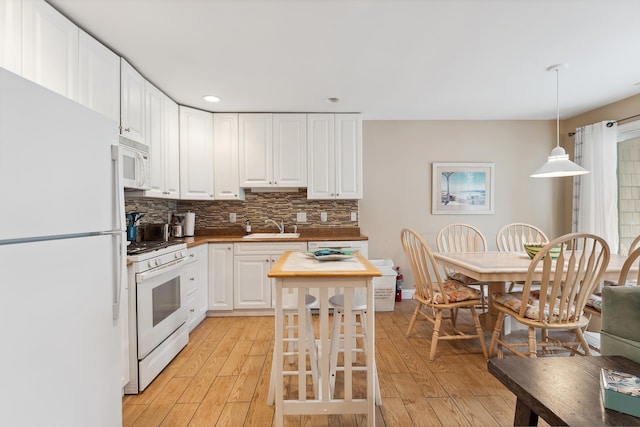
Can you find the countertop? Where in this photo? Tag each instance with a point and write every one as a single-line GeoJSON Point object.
{"type": "Point", "coordinates": [306, 235]}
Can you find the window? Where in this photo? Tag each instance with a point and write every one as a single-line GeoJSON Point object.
{"type": "Point", "coordinates": [628, 184]}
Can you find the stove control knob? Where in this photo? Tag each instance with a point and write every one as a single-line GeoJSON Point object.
{"type": "Point", "coordinates": [157, 261]}
{"type": "Point", "coordinates": [180, 254]}
{"type": "Point", "coordinates": [150, 263]}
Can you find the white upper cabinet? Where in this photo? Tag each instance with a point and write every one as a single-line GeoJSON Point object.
{"type": "Point", "coordinates": [290, 150]}
{"type": "Point", "coordinates": [11, 35]}
{"type": "Point", "coordinates": [171, 143]}
{"type": "Point", "coordinates": [196, 154]}
{"type": "Point", "coordinates": [273, 150]}
{"type": "Point", "coordinates": [154, 130]}
{"type": "Point", "coordinates": [99, 75]}
{"type": "Point", "coordinates": [335, 156]}
{"type": "Point", "coordinates": [225, 157]}
{"type": "Point", "coordinates": [348, 156]}
{"type": "Point", "coordinates": [49, 48]}
{"type": "Point", "coordinates": [132, 103]}
{"type": "Point", "coordinates": [256, 150]}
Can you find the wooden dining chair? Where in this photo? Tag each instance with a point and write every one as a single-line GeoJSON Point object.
{"type": "Point", "coordinates": [463, 238]}
{"type": "Point", "coordinates": [436, 297]}
{"type": "Point", "coordinates": [512, 237]}
{"type": "Point", "coordinates": [558, 305]}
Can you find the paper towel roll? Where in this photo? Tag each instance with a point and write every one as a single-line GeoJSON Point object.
{"type": "Point", "coordinates": [189, 223]}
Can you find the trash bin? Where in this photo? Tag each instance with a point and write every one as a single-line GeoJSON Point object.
{"type": "Point", "coordinates": [384, 287]}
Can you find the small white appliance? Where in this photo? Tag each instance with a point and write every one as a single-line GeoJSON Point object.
{"type": "Point", "coordinates": [62, 258]}
{"type": "Point", "coordinates": [158, 313]}
{"type": "Point", "coordinates": [135, 165]}
{"type": "Point", "coordinates": [189, 224]}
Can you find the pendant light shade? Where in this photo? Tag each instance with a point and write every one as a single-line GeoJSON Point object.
{"type": "Point", "coordinates": [558, 163]}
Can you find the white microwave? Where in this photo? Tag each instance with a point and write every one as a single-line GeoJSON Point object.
{"type": "Point", "coordinates": [135, 165]}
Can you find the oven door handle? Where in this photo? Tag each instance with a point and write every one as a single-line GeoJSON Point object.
{"type": "Point", "coordinates": [147, 275]}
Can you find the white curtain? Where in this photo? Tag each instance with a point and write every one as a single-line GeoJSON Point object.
{"type": "Point", "coordinates": [595, 195]}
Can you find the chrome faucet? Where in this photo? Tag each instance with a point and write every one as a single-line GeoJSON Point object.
{"type": "Point", "coordinates": [280, 226]}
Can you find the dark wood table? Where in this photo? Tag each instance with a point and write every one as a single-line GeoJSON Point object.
{"type": "Point", "coordinates": [562, 390]}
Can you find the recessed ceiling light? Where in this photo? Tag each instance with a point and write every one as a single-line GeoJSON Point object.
{"type": "Point", "coordinates": [211, 98]}
{"type": "Point", "coordinates": [332, 100]}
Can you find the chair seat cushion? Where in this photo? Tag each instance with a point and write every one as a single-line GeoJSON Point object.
{"type": "Point", "coordinates": [465, 280]}
{"type": "Point", "coordinates": [513, 301]}
{"type": "Point", "coordinates": [456, 292]}
{"type": "Point", "coordinates": [595, 302]}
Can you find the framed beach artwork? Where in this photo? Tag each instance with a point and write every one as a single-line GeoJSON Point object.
{"type": "Point", "coordinates": [462, 188]}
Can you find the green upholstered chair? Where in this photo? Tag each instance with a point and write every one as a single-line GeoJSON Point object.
{"type": "Point", "coordinates": [620, 333]}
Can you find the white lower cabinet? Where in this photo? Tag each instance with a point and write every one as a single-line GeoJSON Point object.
{"type": "Point", "coordinates": [220, 276]}
{"type": "Point", "coordinates": [252, 262]}
{"type": "Point", "coordinates": [197, 286]}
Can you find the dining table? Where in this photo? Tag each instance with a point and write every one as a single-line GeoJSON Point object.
{"type": "Point", "coordinates": [300, 272]}
{"type": "Point", "coordinates": [499, 268]}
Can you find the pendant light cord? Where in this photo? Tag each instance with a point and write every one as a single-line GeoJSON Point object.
{"type": "Point", "coordinates": [557, 107]}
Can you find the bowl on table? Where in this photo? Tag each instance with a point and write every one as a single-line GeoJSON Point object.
{"type": "Point", "coordinates": [532, 250]}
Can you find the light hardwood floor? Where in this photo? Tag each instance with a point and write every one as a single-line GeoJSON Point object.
{"type": "Point", "coordinates": [222, 378]}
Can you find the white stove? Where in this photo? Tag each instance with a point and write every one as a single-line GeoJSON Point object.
{"type": "Point", "coordinates": [157, 308]}
{"type": "Point", "coordinates": [141, 251]}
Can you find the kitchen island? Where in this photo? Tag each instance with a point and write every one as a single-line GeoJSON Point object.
{"type": "Point", "coordinates": [298, 272]}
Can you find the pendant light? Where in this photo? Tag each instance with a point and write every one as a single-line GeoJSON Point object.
{"type": "Point", "coordinates": [558, 163]}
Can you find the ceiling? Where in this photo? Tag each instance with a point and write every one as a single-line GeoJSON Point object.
{"type": "Point", "coordinates": [389, 59]}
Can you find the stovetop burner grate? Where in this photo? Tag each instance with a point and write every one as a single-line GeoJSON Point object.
{"type": "Point", "coordinates": [136, 248]}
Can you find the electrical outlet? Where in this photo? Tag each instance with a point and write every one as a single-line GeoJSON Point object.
{"type": "Point", "coordinates": [232, 217]}
{"type": "Point", "coordinates": [323, 216]}
{"type": "Point", "coordinates": [354, 216]}
{"type": "Point", "coordinates": [301, 217]}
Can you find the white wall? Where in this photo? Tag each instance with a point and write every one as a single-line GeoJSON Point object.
{"type": "Point", "coordinates": [397, 179]}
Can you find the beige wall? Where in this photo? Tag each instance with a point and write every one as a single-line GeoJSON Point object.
{"type": "Point", "coordinates": [397, 178]}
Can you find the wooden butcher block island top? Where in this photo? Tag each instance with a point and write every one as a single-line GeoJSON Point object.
{"type": "Point", "coordinates": [297, 264]}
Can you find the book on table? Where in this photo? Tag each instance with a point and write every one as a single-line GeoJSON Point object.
{"type": "Point", "coordinates": [620, 391]}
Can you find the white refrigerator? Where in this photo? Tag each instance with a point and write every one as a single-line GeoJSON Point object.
{"type": "Point", "coordinates": [62, 260]}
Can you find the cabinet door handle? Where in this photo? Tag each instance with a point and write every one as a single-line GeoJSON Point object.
{"type": "Point", "coordinates": [127, 129]}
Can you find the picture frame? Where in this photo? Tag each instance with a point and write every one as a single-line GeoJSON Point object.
{"type": "Point", "coordinates": [462, 188]}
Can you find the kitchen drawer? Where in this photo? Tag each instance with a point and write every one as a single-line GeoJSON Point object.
{"type": "Point", "coordinates": [256, 248]}
{"type": "Point", "coordinates": [197, 253]}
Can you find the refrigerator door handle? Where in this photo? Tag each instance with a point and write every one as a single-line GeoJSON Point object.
{"type": "Point", "coordinates": [117, 284]}
{"type": "Point", "coordinates": [118, 189]}
{"type": "Point", "coordinates": [120, 245]}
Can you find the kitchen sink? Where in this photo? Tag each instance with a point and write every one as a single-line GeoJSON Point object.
{"type": "Point", "coordinates": [272, 236]}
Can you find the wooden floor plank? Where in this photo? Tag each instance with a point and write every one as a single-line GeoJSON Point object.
{"type": "Point", "coordinates": [180, 415]}
{"type": "Point", "coordinates": [244, 387]}
{"type": "Point", "coordinates": [260, 414]}
{"type": "Point", "coordinates": [447, 412]}
{"type": "Point", "coordinates": [211, 407]}
{"type": "Point", "coordinates": [422, 414]}
{"type": "Point", "coordinates": [395, 413]}
{"type": "Point", "coordinates": [202, 381]}
{"type": "Point", "coordinates": [233, 414]}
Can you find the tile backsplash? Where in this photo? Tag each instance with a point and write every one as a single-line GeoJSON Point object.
{"type": "Point", "coordinates": [256, 207]}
